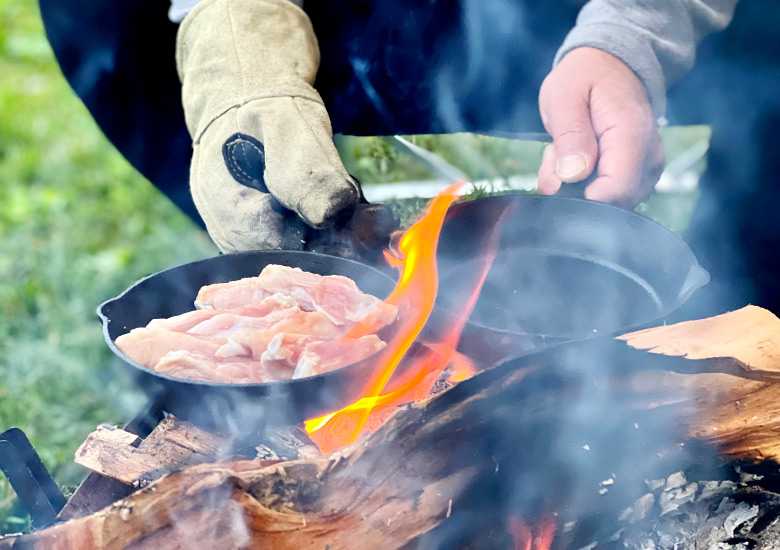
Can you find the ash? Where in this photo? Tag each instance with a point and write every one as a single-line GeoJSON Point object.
{"type": "Point", "coordinates": [676, 513]}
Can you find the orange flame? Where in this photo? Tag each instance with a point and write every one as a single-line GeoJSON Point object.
{"type": "Point", "coordinates": [414, 294]}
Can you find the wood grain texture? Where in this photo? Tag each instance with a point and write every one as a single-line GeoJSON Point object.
{"type": "Point", "coordinates": [172, 445]}
{"type": "Point", "coordinates": [390, 488]}
{"type": "Point", "coordinates": [750, 335]}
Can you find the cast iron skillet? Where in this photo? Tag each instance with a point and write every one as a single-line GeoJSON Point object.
{"type": "Point", "coordinates": [239, 407]}
{"type": "Point", "coordinates": [566, 269]}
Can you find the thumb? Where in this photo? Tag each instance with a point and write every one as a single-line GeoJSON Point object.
{"type": "Point", "coordinates": [303, 170]}
{"type": "Point", "coordinates": [566, 117]}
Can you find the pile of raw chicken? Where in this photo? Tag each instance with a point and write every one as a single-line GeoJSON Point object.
{"type": "Point", "coordinates": [286, 323]}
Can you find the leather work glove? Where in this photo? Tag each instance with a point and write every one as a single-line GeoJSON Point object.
{"type": "Point", "coordinates": [263, 143]}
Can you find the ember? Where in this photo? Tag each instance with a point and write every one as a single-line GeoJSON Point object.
{"type": "Point", "coordinates": [540, 537]}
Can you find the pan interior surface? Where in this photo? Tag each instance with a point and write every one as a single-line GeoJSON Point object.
{"type": "Point", "coordinates": [554, 294]}
{"type": "Point", "coordinates": [564, 268]}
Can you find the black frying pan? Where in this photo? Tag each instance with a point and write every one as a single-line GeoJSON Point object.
{"type": "Point", "coordinates": [566, 269]}
{"type": "Point", "coordinates": [240, 407]}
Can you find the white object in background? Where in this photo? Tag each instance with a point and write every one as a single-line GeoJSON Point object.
{"type": "Point", "coordinates": [679, 176]}
{"type": "Point", "coordinates": [381, 192]}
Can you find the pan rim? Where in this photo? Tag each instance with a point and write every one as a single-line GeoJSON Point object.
{"type": "Point", "coordinates": [106, 321]}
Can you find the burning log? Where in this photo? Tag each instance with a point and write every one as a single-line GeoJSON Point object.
{"type": "Point", "coordinates": [556, 433]}
{"type": "Point", "coordinates": [364, 495]}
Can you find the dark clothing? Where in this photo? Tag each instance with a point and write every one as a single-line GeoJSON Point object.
{"type": "Point", "coordinates": [735, 231]}
{"type": "Point", "coordinates": [436, 66]}
{"type": "Point", "coordinates": [406, 66]}
{"type": "Point", "coordinates": [118, 57]}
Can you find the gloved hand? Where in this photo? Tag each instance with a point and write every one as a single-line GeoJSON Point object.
{"type": "Point", "coordinates": [260, 131]}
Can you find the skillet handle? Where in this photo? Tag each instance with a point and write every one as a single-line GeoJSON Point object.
{"type": "Point", "coordinates": [576, 190]}
{"type": "Point", "coordinates": [573, 190]}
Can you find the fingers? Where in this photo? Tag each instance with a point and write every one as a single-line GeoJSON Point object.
{"type": "Point", "coordinates": [630, 162]}
{"type": "Point", "coordinates": [599, 115]}
{"type": "Point", "coordinates": [565, 113]}
{"type": "Point", "coordinates": [548, 182]}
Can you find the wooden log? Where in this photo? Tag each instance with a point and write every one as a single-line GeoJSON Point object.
{"type": "Point", "coordinates": [382, 492]}
{"type": "Point", "coordinates": [390, 489]}
{"type": "Point", "coordinates": [737, 407]}
{"type": "Point", "coordinates": [359, 497]}
{"type": "Point", "coordinates": [750, 335]}
{"type": "Point", "coordinates": [172, 445]}
{"type": "Point", "coordinates": [175, 444]}
{"type": "Point", "coordinates": [96, 491]}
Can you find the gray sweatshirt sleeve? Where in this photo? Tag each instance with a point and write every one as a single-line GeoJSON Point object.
{"type": "Point", "coordinates": [657, 39]}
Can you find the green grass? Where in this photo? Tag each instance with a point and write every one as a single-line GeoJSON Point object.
{"type": "Point", "coordinates": [78, 225]}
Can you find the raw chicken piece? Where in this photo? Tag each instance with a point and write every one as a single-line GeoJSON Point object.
{"type": "Point", "coordinates": [233, 369]}
{"type": "Point", "coordinates": [334, 296]}
{"type": "Point", "coordinates": [185, 321]}
{"type": "Point", "coordinates": [281, 357]}
{"type": "Point", "coordinates": [194, 366]}
{"type": "Point", "coordinates": [254, 343]}
{"type": "Point", "coordinates": [147, 346]}
{"type": "Point", "coordinates": [274, 302]}
{"type": "Point", "coordinates": [259, 316]}
{"type": "Point", "coordinates": [228, 323]}
{"type": "Point", "coordinates": [328, 355]}
{"type": "Point", "coordinates": [192, 319]}
{"type": "Point", "coordinates": [282, 324]}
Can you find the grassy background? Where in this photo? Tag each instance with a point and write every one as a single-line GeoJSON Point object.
{"type": "Point", "coordinates": [78, 225]}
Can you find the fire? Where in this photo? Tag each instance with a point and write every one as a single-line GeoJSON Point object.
{"type": "Point", "coordinates": [540, 537]}
{"type": "Point", "coordinates": [414, 295]}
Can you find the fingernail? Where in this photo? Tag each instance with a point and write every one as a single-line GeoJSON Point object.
{"type": "Point", "coordinates": [572, 166]}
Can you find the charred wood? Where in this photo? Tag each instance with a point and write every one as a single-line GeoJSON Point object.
{"type": "Point", "coordinates": [573, 429]}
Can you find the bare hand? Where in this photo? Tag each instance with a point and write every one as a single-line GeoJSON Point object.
{"type": "Point", "coordinates": [598, 114]}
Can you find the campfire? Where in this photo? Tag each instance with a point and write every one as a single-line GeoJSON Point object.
{"type": "Point", "coordinates": [462, 436]}
{"type": "Point", "coordinates": [415, 294]}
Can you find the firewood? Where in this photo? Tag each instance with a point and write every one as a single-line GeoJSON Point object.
{"type": "Point", "coordinates": [382, 492]}
{"type": "Point", "coordinates": [391, 488]}
{"type": "Point", "coordinates": [750, 335]}
{"type": "Point", "coordinates": [173, 444]}
{"type": "Point", "coordinates": [121, 461]}
{"type": "Point", "coordinates": [736, 405]}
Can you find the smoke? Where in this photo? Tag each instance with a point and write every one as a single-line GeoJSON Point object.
{"type": "Point", "coordinates": [569, 441]}
{"type": "Point", "coordinates": [565, 443]}
{"type": "Point", "coordinates": [482, 64]}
